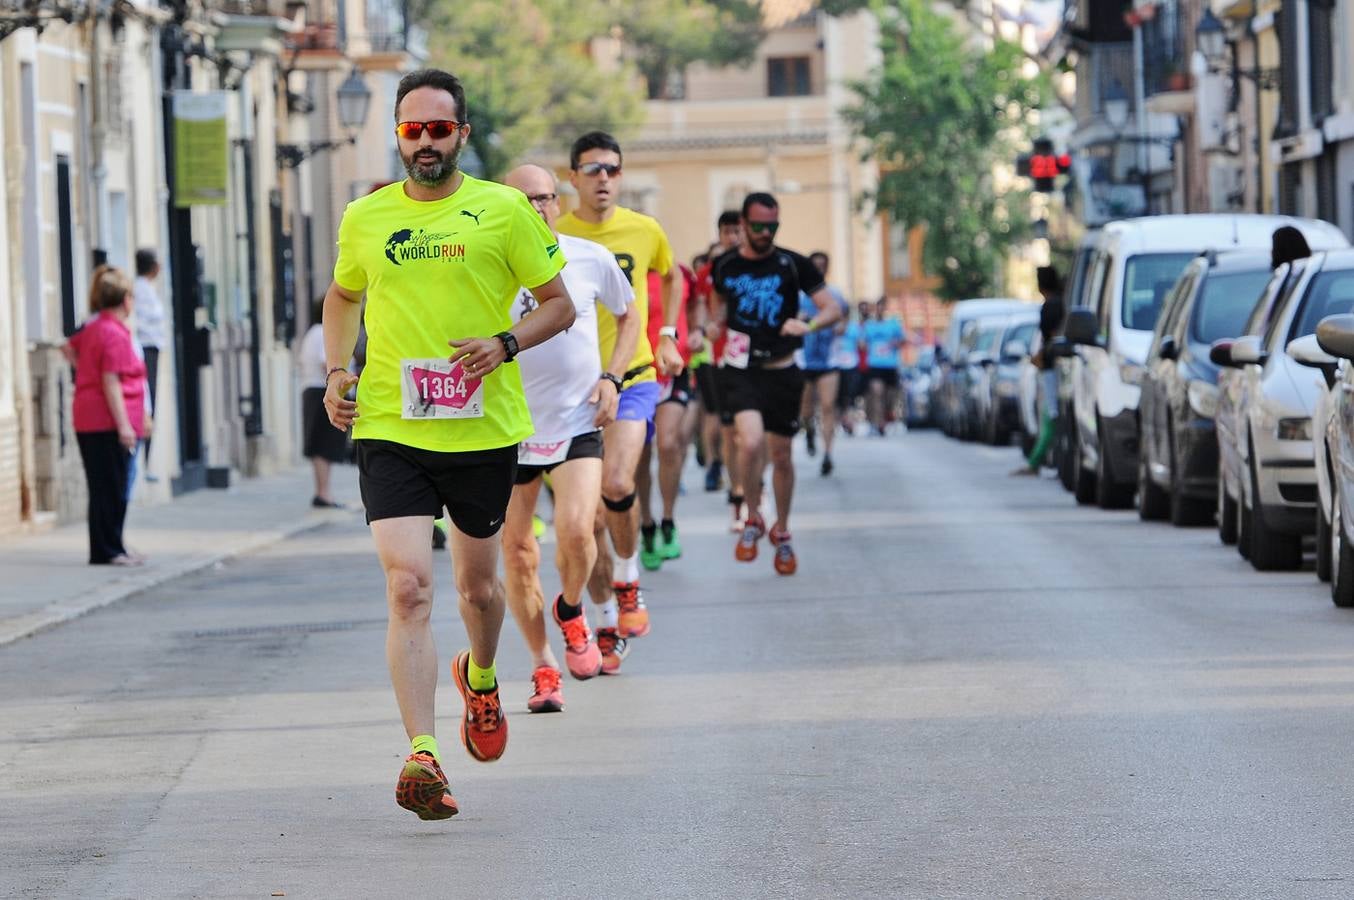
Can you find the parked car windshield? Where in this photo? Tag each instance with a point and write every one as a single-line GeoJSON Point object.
{"type": "Point", "coordinates": [1022, 335]}
{"type": "Point", "coordinates": [1148, 278]}
{"type": "Point", "coordinates": [1330, 294]}
{"type": "Point", "coordinates": [1225, 304]}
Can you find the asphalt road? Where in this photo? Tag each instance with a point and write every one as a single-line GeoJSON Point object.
{"type": "Point", "coordinates": [973, 688]}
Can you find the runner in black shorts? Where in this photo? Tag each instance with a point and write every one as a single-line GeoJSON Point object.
{"type": "Point", "coordinates": [440, 408]}
{"type": "Point", "coordinates": [760, 284]}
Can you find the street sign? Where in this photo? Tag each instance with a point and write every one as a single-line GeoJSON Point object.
{"type": "Point", "coordinates": [201, 149]}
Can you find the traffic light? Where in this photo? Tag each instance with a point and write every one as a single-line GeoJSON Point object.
{"type": "Point", "coordinates": [1043, 165]}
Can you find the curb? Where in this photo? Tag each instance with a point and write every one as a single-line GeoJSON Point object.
{"type": "Point", "coordinates": [59, 612]}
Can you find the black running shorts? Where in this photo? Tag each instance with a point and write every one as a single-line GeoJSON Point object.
{"type": "Point", "coordinates": [397, 480]}
{"type": "Point", "coordinates": [775, 393]}
{"type": "Point", "coordinates": [707, 383]}
{"type": "Point", "coordinates": [584, 446]}
{"type": "Point", "coordinates": [676, 389]}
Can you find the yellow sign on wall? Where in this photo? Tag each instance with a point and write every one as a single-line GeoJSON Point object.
{"type": "Point", "coordinates": [201, 149]}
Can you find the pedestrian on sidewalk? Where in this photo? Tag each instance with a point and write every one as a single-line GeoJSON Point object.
{"type": "Point", "coordinates": [440, 407]}
{"type": "Point", "coordinates": [1051, 317]}
{"type": "Point", "coordinates": [150, 329]}
{"type": "Point", "coordinates": [109, 412]}
{"type": "Point", "coordinates": [322, 444]}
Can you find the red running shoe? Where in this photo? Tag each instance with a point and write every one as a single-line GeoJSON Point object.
{"type": "Point", "coordinates": [613, 648]}
{"type": "Point", "coordinates": [484, 726]}
{"type": "Point", "coordinates": [785, 562]}
{"type": "Point", "coordinates": [423, 789]}
{"type": "Point", "coordinates": [581, 655]}
{"type": "Point", "coordinates": [547, 696]}
{"type": "Point", "coordinates": [753, 529]}
{"type": "Point", "coordinates": [634, 618]}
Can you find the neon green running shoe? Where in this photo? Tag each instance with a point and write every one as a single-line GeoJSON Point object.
{"type": "Point", "coordinates": [669, 544]}
{"type": "Point", "coordinates": [650, 556]}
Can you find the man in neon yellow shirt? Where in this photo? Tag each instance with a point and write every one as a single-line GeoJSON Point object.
{"type": "Point", "coordinates": [639, 245]}
{"type": "Point", "coordinates": [440, 408]}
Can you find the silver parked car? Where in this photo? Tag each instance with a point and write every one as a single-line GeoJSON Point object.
{"type": "Point", "coordinates": [1335, 336]}
{"type": "Point", "coordinates": [1273, 416]}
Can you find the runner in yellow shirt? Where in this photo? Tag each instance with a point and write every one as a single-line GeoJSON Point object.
{"type": "Point", "coordinates": [639, 245]}
{"type": "Point", "coordinates": [440, 408]}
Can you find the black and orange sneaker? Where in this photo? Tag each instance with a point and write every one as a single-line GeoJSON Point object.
{"type": "Point", "coordinates": [753, 529]}
{"type": "Point", "coordinates": [634, 617]}
{"type": "Point", "coordinates": [785, 561]}
{"type": "Point", "coordinates": [423, 789]}
{"type": "Point", "coordinates": [546, 695]}
{"type": "Point", "coordinates": [614, 648]}
{"type": "Point", "coordinates": [484, 726]}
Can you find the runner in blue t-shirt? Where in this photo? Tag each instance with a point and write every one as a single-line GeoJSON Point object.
{"type": "Point", "coordinates": [884, 337]}
{"type": "Point", "coordinates": [821, 374]}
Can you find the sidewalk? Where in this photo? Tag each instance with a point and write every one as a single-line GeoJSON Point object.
{"type": "Point", "coordinates": [45, 580]}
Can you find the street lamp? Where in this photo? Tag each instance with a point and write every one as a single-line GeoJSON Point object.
{"type": "Point", "coordinates": [1211, 37]}
{"type": "Point", "coordinates": [354, 98]}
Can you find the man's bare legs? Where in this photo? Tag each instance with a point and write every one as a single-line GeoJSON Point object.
{"type": "Point", "coordinates": [782, 478]}
{"type": "Point", "coordinates": [623, 442]}
{"type": "Point", "coordinates": [826, 390]}
{"type": "Point", "coordinates": [406, 558]}
{"type": "Point", "coordinates": [751, 444]}
{"type": "Point", "coordinates": [673, 437]}
{"type": "Point", "coordinates": [576, 484]}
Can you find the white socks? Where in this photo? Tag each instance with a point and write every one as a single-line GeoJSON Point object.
{"type": "Point", "coordinates": [610, 614]}
{"type": "Point", "coordinates": [625, 570]}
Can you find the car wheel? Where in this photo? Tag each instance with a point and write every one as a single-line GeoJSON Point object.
{"type": "Point", "coordinates": [1243, 527]}
{"type": "Point", "coordinates": [1108, 494]}
{"type": "Point", "coordinates": [1083, 479]}
{"type": "Point", "coordinates": [1325, 546]}
{"type": "Point", "coordinates": [1066, 449]}
{"type": "Point", "coordinates": [1152, 500]}
{"type": "Point", "coordinates": [1342, 558]}
{"type": "Point", "coordinates": [1227, 516]}
{"type": "Point", "coordinates": [1271, 550]}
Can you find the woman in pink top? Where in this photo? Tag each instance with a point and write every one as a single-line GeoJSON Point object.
{"type": "Point", "coordinates": [109, 412]}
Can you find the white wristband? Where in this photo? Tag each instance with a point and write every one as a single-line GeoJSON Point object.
{"type": "Point", "coordinates": [668, 331]}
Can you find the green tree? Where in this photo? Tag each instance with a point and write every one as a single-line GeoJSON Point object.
{"type": "Point", "coordinates": [528, 77]}
{"type": "Point", "coordinates": [666, 36]}
{"type": "Point", "coordinates": [940, 116]}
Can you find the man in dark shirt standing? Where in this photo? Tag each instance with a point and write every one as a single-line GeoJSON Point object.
{"type": "Point", "coordinates": [759, 286]}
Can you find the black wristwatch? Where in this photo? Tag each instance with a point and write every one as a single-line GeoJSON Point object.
{"type": "Point", "coordinates": [509, 345]}
{"type": "Point", "coordinates": [607, 376]}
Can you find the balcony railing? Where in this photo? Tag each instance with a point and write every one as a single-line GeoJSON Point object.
{"type": "Point", "coordinates": [1165, 62]}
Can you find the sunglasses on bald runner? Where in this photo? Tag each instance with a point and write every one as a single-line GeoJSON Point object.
{"type": "Point", "coordinates": [439, 129]}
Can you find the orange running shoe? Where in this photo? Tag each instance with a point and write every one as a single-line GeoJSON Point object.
{"type": "Point", "coordinates": [746, 548]}
{"type": "Point", "coordinates": [634, 618]}
{"type": "Point", "coordinates": [613, 648]}
{"type": "Point", "coordinates": [484, 727]}
{"type": "Point", "coordinates": [423, 789]}
{"type": "Point", "coordinates": [546, 695]}
{"type": "Point", "coordinates": [785, 562]}
{"type": "Point", "coordinates": [581, 655]}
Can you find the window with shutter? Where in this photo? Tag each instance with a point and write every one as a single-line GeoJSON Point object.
{"type": "Point", "coordinates": [1287, 124]}
{"type": "Point", "coordinates": [1325, 186]}
{"type": "Point", "coordinates": [1322, 68]}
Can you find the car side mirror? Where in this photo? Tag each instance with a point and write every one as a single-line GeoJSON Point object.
{"type": "Point", "coordinates": [1307, 351]}
{"type": "Point", "coordinates": [1247, 351]}
{"type": "Point", "coordinates": [1168, 349]}
{"type": "Point", "coordinates": [1220, 353]}
{"type": "Point", "coordinates": [1335, 335]}
{"type": "Point", "coordinates": [1082, 328]}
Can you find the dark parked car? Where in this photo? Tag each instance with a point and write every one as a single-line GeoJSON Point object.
{"type": "Point", "coordinates": [1001, 414]}
{"type": "Point", "coordinates": [1178, 449]}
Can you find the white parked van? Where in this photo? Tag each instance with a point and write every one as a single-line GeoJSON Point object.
{"type": "Point", "coordinates": [1136, 263]}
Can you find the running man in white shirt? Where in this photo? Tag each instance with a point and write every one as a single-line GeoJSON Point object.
{"type": "Point", "coordinates": [570, 402]}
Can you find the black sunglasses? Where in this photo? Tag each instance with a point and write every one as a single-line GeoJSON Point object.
{"type": "Point", "coordinates": [763, 227]}
{"type": "Point", "coordinates": [596, 168]}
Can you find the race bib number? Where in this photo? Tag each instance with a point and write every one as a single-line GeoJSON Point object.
{"type": "Point", "coordinates": [542, 453]}
{"type": "Point", "coordinates": [737, 349]}
{"type": "Point", "coordinates": [437, 389]}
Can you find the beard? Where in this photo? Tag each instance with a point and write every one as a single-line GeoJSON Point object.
{"type": "Point", "coordinates": [431, 172]}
